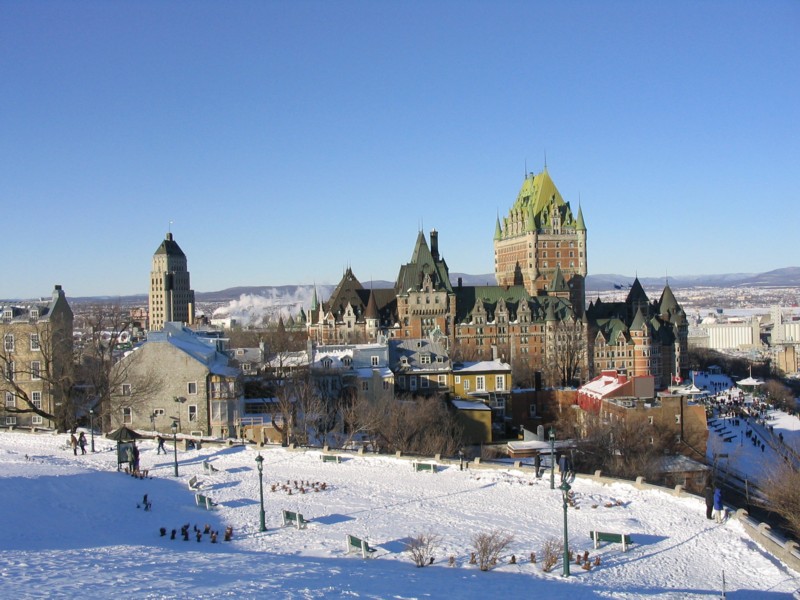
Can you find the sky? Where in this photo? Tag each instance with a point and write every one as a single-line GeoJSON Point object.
{"type": "Point", "coordinates": [281, 142]}
{"type": "Point", "coordinates": [94, 536]}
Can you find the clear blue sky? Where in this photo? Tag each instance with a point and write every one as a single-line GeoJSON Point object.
{"type": "Point", "coordinates": [287, 140]}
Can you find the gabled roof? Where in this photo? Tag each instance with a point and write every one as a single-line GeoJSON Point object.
{"type": "Point", "coordinates": [423, 263]}
{"type": "Point", "coordinates": [636, 295]}
{"type": "Point", "coordinates": [202, 350]}
{"type": "Point", "coordinates": [559, 284]}
{"type": "Point", "coordinates": [407, 354]}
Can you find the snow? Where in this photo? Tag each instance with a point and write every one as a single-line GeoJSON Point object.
{"type": "Point", "coordinates": [76, 530]}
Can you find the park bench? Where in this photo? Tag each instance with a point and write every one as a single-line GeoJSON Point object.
{"type": "Point", "coordinates": [293, 518]}
{"type": "Point", "coordinates": [359, 544]}
{"type": "Point", "coordinates": [208, 467]}
{"type": "Point", "coordinates": [729, 438]}
{"type": "Point", "coordinates": [614, 538]}
{"type": "Point", "coordinates": [204, 501]}
{"type": "Point", "coordinates": [419, 466]}
{"type": "Point", "coordinates": [193, 484]}
{"type": "Point", "coordinates": [331, 458]}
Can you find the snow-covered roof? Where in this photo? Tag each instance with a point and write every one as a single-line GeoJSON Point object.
{"type": "Point", "coordinates": [603, 386]}
{"type": "Point", "coordinates": [468, 404]}
{"type": "Point", "coordinates": [367, 372]}
{"type": "Point", "coordinates": [202, 350]}
{"type": "Point", "coordinates": [482, 366]}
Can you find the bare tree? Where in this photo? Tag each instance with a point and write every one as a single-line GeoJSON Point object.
{"type": "Point", "coordinates": [422, 548]}
{"type": "Point", "coordinates": [780, 395]}
{"type": "Point", "coordinates": [783, 490]}
{"type": "Point", "coordinates": [566, 355]}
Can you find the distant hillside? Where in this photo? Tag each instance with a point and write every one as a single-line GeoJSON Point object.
{"type": "Point", "coordinates": [786, 277]}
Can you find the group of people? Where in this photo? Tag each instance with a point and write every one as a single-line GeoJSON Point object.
{"type": "Point", "coordinates": [77, 442]}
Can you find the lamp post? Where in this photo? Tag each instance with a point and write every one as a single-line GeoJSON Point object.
{"type": "Point", "coordinates": [91, 426]}
{"type": "Point", "coordinates": [564, 487]}
{"type": "Point", "coordinates": [552, 458]}
{"type": "Point", "coordinates": [260, 465]}
{"type": "Point", "coordinates": [175, 445]}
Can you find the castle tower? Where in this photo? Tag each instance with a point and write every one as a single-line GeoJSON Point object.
{"type": "Point", "coordinates": [171, 296]}
{"type": "Point", "coordinates": [540, 236]}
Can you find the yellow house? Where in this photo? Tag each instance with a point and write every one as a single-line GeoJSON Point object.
{"type": "Point", "coordinates": [476, 419]}
{"type": "Point", "coordinates": [488, 381]}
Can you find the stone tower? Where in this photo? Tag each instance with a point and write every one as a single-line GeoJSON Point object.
{"type": "Point", "coordinates": [171, 296]}
{"type": "Point", "coordinates": [539, 237]}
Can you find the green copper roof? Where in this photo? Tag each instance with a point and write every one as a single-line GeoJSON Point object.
{"type": "Point", "coordinates": [498, 231]}
{"type": "Point", "coordinates": [580, 225]}
{"type": "Point", "coordinates": [169, 247]}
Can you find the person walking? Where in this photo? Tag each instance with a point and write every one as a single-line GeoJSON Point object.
{"type": "Point", "coordinates": [82, 442]}
{"type": "Point", "coordinates": [719, 509]}
{"type": "Point", "coordinates": [708, 492]}
{"type": "Point", "coordinates": [73, 443]}
{"type": "Point", "coordinates": [160, 448]}
{"type": "Point", "coordinates": [135, 458]}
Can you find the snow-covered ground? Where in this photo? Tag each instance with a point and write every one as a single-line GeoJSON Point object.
{"type": "Point", "coordinates": [71, 528]}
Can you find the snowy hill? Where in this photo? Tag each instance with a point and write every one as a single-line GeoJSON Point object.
{"type": "Point", "coordinates": [76, 530]}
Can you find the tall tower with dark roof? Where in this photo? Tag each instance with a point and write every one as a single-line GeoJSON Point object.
{"type": "Point", "coordinates": [171, 296]}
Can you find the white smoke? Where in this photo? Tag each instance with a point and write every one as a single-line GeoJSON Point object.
{"type": "Point", "coordinates": [272, 304]}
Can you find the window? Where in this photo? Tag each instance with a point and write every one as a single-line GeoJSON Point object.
{"type": "Point", "coordinates": [191, 387]}
{"type": "Point", "coordinates": [365, 386]}
{"type": "Point", "coordinates": [35, 342]}
{"type": "Point", "coordinates": [423, 382]}
{"type": "Point", "coordinates": [10, 370]}
{"type": "Point", "coordinates": [192, 413]}
{"type": "Point", "coordinates": [374, 361]}
{"type": "Point", "coordinates": [11, 401]}
{"type": "Point", "coordinates": [677, 419]}
{"type": "Point", "coordinates": [385, 384]}
{"type": "Point", "coordinates": [500, 382]}
{"type": "Point", "coordinates": [127, 416]}
{"type": "Point", "coordinates": [126, 390]}
{"type": "Point", "coordinates": [8, 342]}
{"type": "Point", "coordinates": [36, 399]}
{"type": "Point", "coordinates": [11, 420]}
{"type": "Point", "coordinates": [159, 412]}
{"type": "Point", "coordinates": [425, 359]}
{"type": "Point", "coordinates": [457, 379]}
{"type": "Point", "coordinates": [466, 385]}
{"type": "Point", "coordinates": [246, 367]}
{"type": "Point", "coordinates": [36, 368]}
{"type": "Point", "coordinates": [442, 381]}
{"type": "Point", "coordinates": [650, 420]}
{"type": "Point", "coordinates": [412, 382]}
{"type": "Point", "coordinates": [480, 383]}
{"type": "Point", "coordinates": [532, 411]}
{"type": "Point", "coordinates": [36, 420]}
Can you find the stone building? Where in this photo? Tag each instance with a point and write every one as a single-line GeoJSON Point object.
{"type": "Point", "coordinates": [171, 297]}
{"type": "Point", "coordinates": [36, 360]}
{"type": "Point", "coordinates": [177, 375]}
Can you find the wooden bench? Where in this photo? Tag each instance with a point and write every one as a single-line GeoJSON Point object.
{"type": "Point", "coordinates": [193, 484]}
{"type": "Point", "coordinates": [204, 501]}
{"type": "Point", "coordinates": [420, 466]}
{"type": "Point", "coordinates": [208, 467]}
{"type": "Point", "coordinates": [359, 544]}
{"type": "Point", "coordinates": [331, 458]}
{"type": "Point", "coordinates": [293, 518]}
{"type": "Point", "coordinates": [614, 538]}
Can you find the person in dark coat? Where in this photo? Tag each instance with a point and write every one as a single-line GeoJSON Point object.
{"type": "Point", "coordinates": [160, 448]}
{"type": "Point", "coordinates": [82, 442]}
{"type": "Point", "coordinates": [708, 492]}
{"type": "Point", "coordinates": [719, 509]}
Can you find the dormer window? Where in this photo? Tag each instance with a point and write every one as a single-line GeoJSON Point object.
{"type": "Point", "coordinates": [425, 359]}
{"type": "Point", "coordinates": [34, 314]}
{"type": "Point", "coordinates": [326, 363]}
{"type": "Point", "coordinates": [8, 314]}
{"type": "Point", "coordinates": [347, 361]}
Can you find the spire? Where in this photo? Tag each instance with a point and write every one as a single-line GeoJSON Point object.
{"type": "Point", "coordinates": [559, 284]}
{"type": "Point", "coordinates": [314, 301]}
{"type": "Point", "coordinates": [580, 225]}
{"type": "Point", "coordinates": [498, 231]}
{"type": "Point", "coordinates": [372, 307]}
{"type": "Point", "coordinates": [638, 320]}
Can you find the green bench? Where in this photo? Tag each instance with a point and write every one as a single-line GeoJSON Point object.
{"type": "Point", "coordinates": [209, 468]}
{"type": "Point", "coordinates": [355, 543]}
{"type": "Point", "coordinates": [331, 458]}
{"type": "Point", "coordinates": [293, 518]}
{"type": "Point", "coordinates": [613, 538]}
{"type": "Point", "coordinates": [420, 466]}
{"type": "Point", "coordinates": [193, 483]}
{"type": "Point", "coordinates": [204, 501]}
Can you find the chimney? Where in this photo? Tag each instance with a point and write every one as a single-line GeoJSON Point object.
{"type": "Point", "coordinates": [435, 244]}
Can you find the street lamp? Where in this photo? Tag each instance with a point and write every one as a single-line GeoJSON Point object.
{"type": "Point", "coordinates": [91, 426]}
{"type": "Point", "coordinates": [174, 429]}
{"type": "Point", "coordinates": [552, 458]}
{"type": "Point", "coordinates": [260, 465]}
{"type": "Point", "coordinates": [564, 487]}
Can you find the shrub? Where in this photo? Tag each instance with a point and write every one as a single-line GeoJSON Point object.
{"type": "Point", "coordinates": [488, 547]}
{"type": "Point", "coordinates": [422, 547]}
{"type": "Point", "coordinates": [552, 549]}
